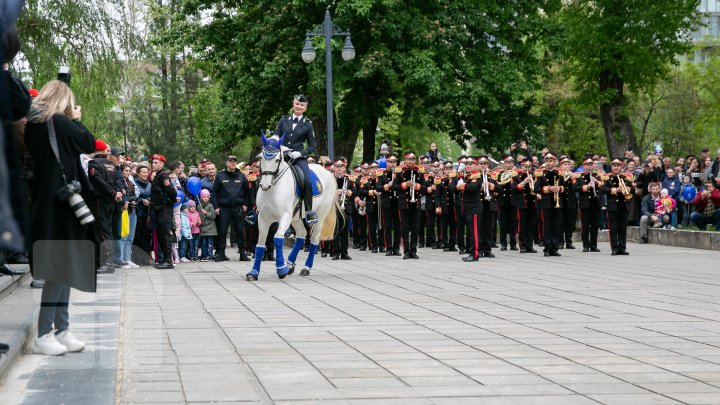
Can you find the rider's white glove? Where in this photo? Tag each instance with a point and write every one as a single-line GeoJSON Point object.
{"type": "Point", "coordinates": [295, 155]}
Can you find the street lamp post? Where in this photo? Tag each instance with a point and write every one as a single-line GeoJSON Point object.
{"type": "Point", "coordinates": [328, 30]}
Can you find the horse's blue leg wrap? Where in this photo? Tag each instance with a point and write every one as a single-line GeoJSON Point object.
{"type": "Point", "coordinates": [311, 256]}
{"type": "Point", "coordinates": [259, 253]}
{"type": "Point", "coordinates": [299, 243]}
{"type": "Point", "coordinates": [282, 268]}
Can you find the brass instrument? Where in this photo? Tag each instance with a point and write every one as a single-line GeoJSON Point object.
{"type": "Point", "coordinates": [344, 192]}
{"type": "Point", "coordinates": [592, 184]}
{"type": "Point", "coordinates": [557, 192]}
{"type": "Point", "coordinates": [532, 183]}
{"type": "Point", "coordinates": [506, 177]}
{"type": "Point", "coordinates": [412, 190]}
{"type": "Point", "coordinates": [623, 187]}
{"type": "Point", "coordinates": [362, 209]}
{"type": "Point", "coordinates": [486, 186]}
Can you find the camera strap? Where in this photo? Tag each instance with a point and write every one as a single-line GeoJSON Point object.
{"type": "Point", "coordinates": [54, 147]}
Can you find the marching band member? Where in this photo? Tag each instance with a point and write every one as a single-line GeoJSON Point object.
{"type": "Point", "coordinates": [569, 203]}
{"type": "Point", "coordinates": [409, 184]}
{"type": "Point", "coordinates": [367, 208]}
{"type": "Point", "coordinates": [433, 237]}
{"type": "Point", "coordinates": [618, 189]}
{"type": "Point", "coordinates": [347, 197]}
{"type": "Point", "coordinates": [390, 213]}
{"type": "Point", "coordinates": [424, 237]}
{"type": "Point", "coordinates": [458, 197]}
{"type": "Point", "coordinates": [523, 187]}
{"type": "Point", "coordinates": [472, 208]}
{"type": "Point", "coordinates": [589, 187]}
{"type": "Point", "coordinates": [506, 205]}
{"type": "Point", "coordinates": [442, 202]}
{"type": "Point", "coordinates": [489, 208]}
{"type": "Point", "coordinates": [356, 225]}
{"type": "Point", "coordinates": [549, 185]}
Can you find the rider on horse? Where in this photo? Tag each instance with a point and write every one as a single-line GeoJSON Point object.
{"type": "Point", "coordinates": [297, 130]}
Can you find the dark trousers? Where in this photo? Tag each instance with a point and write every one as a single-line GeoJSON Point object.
{"type": "Point", "coordinates": [540, 228]}
{"type": "Point", "coordinates": [230, 215]}
{"type": "Point", "coordinates": [487, 221]}
{"type": "Point", "coordinates": [103, 213]}
{"type": "Point", "coordinates": [508, 225]}
{"type": "Point", "coordinates": [371, 229]}
{"type": "Point", "coordinates": [340, 243]}
{"type": "Point", "coordinates": [552, 221]}
{"type": "Point", "coordinates": [142, 239]}
{"type": "Point", "coordinates": [452, 226]}
{"type": "Point", "coordinates": [165, 237]}
{"type": "Point", "coordinates": [409, 220]}
{"type": "Point", "coordinates": [360, 231]}
{"type": "Point", "coordinates": [617, 224]}
{"type": "Point", "coordinates": [391, 227]}
{"type": "Point", "coordinates": [422, 226]}
{"type": "Point", "coordinates": [590, 222]}
{"type": "Point", "coordinates": [443, 226]}
{"type": "Point", "coordinates": [431, 221]}
{"type": "Point", "coordinates": [569, 217]}
{"type": "Point", "coordinates": [53, 308]}
{"type": "Point", "coordinates": [474, 224]}
{"type": "Point", "coordinates": [527, 221]}
{"type": "Point", "coordinates": [460, 227]}
{"type": "Point", "coordinates": [356, 226]}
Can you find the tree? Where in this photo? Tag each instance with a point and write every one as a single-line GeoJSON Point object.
{"type": "Point", "coordinates": [616, 45]}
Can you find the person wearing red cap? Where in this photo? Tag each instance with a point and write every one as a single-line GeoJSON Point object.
{"type": "Point", "coordinates": [569, 203]}
{"type": "Point", "coordinates": [409, 184]}
{"type": "Point", "coordinates": [106, 194]}
{"type": "Point", "coordinates": [523, 187]}
{"type": "Point", "coordinates": [347, 199]}
{"type": "Point", "coordinates": [507, 214]}
{"type": "Point", "coordinates": [618, 189]}
{"type": "Point", "coordinates": [162, 199]}
{"type": "Point", "coordinates": [549, 186]}
{"type": "Point", "coordinates": [390, 223]}
{"type": "Point", "coordinates": [588, 186]}
{"type": "Point", "coordinates": [472, 209]}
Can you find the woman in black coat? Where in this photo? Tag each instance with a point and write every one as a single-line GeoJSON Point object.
{"type": "Point", "coordinates": [62, 249]}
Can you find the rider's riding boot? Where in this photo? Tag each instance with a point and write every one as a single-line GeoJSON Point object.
{"type": "Point", "coordinates": [310, 217]}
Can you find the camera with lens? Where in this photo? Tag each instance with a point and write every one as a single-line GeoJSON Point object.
{"type": "Point", "coordinates": [70, 192]}
{"type": "Point", "coordinates": [64, 74]}
{"type": "Point", "coordinates": [132, 201]}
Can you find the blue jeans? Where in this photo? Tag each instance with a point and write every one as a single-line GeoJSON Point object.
{"type": "Point", "coordinates": [54, 308]}
{"type": "Point", "coordinates": [701, 221]}
{"type": "Point", "coordinates": [126, 243]}
{"type": "Point", "coordinates": [184, 248]}
{"type": "Point", "coordinates": [673, 219]}
{"type": "Point", "coordinates": [194, 246]}
{"type": "Point", "coordinates": [206, 243]}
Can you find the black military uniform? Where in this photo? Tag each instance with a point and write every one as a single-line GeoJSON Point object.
{"type": "Point", "coordinates": [431, 234]}
{"type": "Point", "coordinates": [525, 199]}
{"type": "Point", "coordinates": [569, 208]}
{"type": "Point", "coordinates": [340, 243]}
{"type": "Point", "coordinates": [231, 191]}
{"type": "Point", "coordinates": [390, 213]}
{"type": "Point", "coordinates": [297, 131]}
{"type": "Point", "coordinates": [458, 214]}
{"type": "Point", "coordinates": [472, 210]}
{"type": "Point", "coordinates": [442, 210]}
{"type": "Point", "coordinates": [489, 211]}
{"type": "Point", "coordinates": [162, 199]}
{"type": "Point", "coordinates": [589, 202]}
{"type": "Point", "coordinates": [357, 232]}
{"type": "Point", "coordinates": [507, 214]}
{"type": "Point", "coordinates": [103, 178]}
{"type": "Point", "coordinates": [409, 210]}
{"type": "Point", "coordinates": [366, 192]}
{"type": "Point", "coordinates": [617, 208]}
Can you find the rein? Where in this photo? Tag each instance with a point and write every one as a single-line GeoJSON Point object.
{"type": "Point", "coordinates": [275, 174]}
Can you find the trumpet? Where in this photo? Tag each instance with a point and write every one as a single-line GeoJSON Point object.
{"type": "Point", "coordinates": [557, 192]}
{"type": "Point", "coordinates": [592, 184]}
{"type": "Point", "coordinates": [412, 190]}
{"type": "Point", "coordinates": [532, 183]}
{"type": "Point", "coordinates": [624, 189]}
{"type": "Point", "coordinates": [344, 193]}
{"type": "Point", "coordinates": [486, 187]}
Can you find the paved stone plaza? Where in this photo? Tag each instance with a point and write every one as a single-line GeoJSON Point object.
{"type": "Point", "coordinates": [518, 329]}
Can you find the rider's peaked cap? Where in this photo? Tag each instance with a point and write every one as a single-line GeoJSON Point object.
{"type": "Point", "coordinates": [301, 98]}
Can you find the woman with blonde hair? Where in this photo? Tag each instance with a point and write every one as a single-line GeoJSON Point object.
{"type": "Point", "coordinates": [62, 235]}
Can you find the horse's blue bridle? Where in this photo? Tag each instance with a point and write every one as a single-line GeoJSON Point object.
{"type": "Point", "coordinates": [269, 154]}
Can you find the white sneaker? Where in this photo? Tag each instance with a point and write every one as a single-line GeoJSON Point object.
{"type": "Point", "coordinates": [133, 265]}
{"type": "Point", "coordinates": [48, 345]}
{"type": "Point", "coordinates": [69, 340]}
{"type": "Point", "coordinates": [184, 260]}
{"type": "Point", "coordinates": [127, 266]}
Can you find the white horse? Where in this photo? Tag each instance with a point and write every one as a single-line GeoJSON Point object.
{"type": "Point", "coordinates": [276, 202]}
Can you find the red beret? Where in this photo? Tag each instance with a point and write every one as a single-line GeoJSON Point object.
{"type": "Point", "coordinates": [33, 93]}
{"type": "Point", "coordinates": [158, 157]}
{"type": "Point", "coordinates": [100, 145]}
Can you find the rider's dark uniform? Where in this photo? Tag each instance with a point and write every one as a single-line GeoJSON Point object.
{"type": "Point", "coordinates": [297, 132]}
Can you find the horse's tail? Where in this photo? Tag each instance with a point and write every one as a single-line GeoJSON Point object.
{"type": "Point", "coordinates": [328, 228]}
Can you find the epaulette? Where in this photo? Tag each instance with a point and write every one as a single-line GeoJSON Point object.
{"type": "Point", "coordinates": [514, 173]}
{"type": "Point", "coordinates": [452, 174]}
{"type": "Point", "coordinates": [427, 175]}
{"type": "Point", "coordinates": [379, 172]}
{"type": "Point", "coordinates": [398, 169]}
{"type": "Point", "coordinates": [351, 178]}
{"type": "Point", "coordinates": [539, 173]}
{"type": "Point", "coordinates": [576, 175]}
{"type": "Point", "coordinates": [604, 176]}
{"type": "Point", "coordinates": [475, 176]}
{"type": "Point", "coordinates": [437, 180]}
{"type": "Point", "coordinates": [252, 177]}
{"type": "Point", "coordinates": [363, 180]}
{"type": "Point", "coordinates": [421, 170]}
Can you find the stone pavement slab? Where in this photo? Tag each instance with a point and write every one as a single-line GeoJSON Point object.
{"type": "Point", "coordinates": [518, 329]}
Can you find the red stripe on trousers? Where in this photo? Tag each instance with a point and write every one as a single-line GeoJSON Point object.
{"type": "Point", "coordinates": [475, 231]}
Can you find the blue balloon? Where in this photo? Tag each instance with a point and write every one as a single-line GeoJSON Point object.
{"type": "Point", "coordinates": [382, 163]}
{"type": "Point", "coordinates": [181, 196]}
{"type": "Point", "coordinates": [689, 193]}
{"type": "Point", "coordinates": [194, 185]}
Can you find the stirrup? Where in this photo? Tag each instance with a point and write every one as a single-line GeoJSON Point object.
{"type": "Point", "coordinates": [311, 218]}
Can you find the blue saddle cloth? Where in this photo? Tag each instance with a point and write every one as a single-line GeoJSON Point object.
{"type": "Point", "coordinates": [317, 188]}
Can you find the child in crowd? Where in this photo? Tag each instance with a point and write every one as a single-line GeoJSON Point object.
{"type": "Point", "coordinates": [665, 208]}
{"type": "Point", "coordinates": [208, 229]}
{"type": "Point", "coordinates": [185, 233]}
{"type": "Point", "coordinates": [193, 217]}
{"type": "Point", "coordinates": [178, 235]}
{"type": "Point", "coordinates": [685, 205]}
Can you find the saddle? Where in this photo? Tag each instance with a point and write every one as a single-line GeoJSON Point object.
{"type": "Point", "coordinates": [299, 176]}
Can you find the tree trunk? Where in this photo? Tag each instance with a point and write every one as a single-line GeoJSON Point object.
{"type": "Point", "coordinates": [619, 133]}
{"type": "Point", "coordinates": [369, 132]}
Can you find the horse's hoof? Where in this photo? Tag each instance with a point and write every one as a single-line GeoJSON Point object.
{"type": "Point", "coordinates": [251, 277]}
{"type": "Point", "coordinates": [282, 272]}
{"type": "Point", "coordinates": [291, 268]}
{"type": "Point", "coordinates": [304, 272]}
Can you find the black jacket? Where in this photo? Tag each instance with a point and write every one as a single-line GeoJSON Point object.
{"type": "Point", "coordinates": [542, 184]}
{"type": "Point", "coordinates": [587, 197]}
{"type": "Point", "coordinates": [163, 197]}
{"type": "Point", "coordinates": [387, 197]}
{"type": "Point", "coordinates": [523, 194]}
{"type": "Point", "coordinates": [616, 202]}
{"type": "Point", "coordinates": [232, 189]}
{"type": "Point", "coordinates": [403, 175]}
{"type": "Point", "coordinates": [103, 177]}
{"type": "Point", "coordinates": [647, 207]}
{"type": "Point", "coordinates": [296, 139]}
